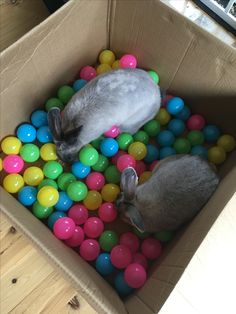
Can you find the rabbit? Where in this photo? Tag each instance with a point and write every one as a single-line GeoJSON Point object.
{"type": "Point", "coordinates": [177, 190]}
{"type": "Point", "coordinates": [127, 98]}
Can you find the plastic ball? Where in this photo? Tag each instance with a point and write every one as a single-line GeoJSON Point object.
{"type": "Point", "coordinates": [29, 152]}
{"type": "Point", "coordinates": [13, 164]}
{"type": "Point", "coordinates": [89, 249]}
{"type": "Point", "coordinates": [110, 192]}
{"type": "Point", "coordinates": [216, 155]}
{"type": "Point", "coordinates": [78, 213]}
{"type": "Point", "coordinates": [101, 164]}
{"type": "Point", "coordinates": [77, 237]}
{"type": "Point", "coordinates": [153, 165]}
{"type": "Point", "coordinates": [144, 177]}
{"type": "Point", "coordinates": [48, 152]}
{"type": "Point", "coordinates": [141, 235]}
{"type": "Point", "coordinates": [165, 138]}
{"type": "Point", "coordinates": [164, 236]}
{"type": "Point", "coordinates": [116, 65]}
{"type": "Point", "coordinates": [103, 68]}
{"type": "Point", "coordinates": [48, 196]}
{"type": "Point", "coordinates": [140, 167]}
{"type": "Point", "coordinates": [93, 227]}
{"type": "Point", "coordinates": [96, 143]}
{"type": "Point", "coordinates": [165, 99]}
{"type": "Point", "coordinates": [182, 146]}
{"type": "Point", "coordinates": [78, 84]}
{"type": "Point", "coordinates": [87, 73]}
{"type": "Point", "coordinates": [93, 200]}
{"type": "Point", "coordinates": [11, 145]}
{"type": "Point", "coordinates": [128, 61]}
{"type": "Point", "coordinates": [27, 195]}
{"type": "Point", "coordinates": [103, 264]}
{"type": "Point", "coordinates": [64, 180]}
{"type": "Point", "coordinates": [196, 122]}
{"type": "Point", "coordinates": [64, 228]}
{"type": "Point", "coordinates": [40, 211]}
{"type": "Point", "coordinates": [48, 182]}
{"type": "Point", "coordinates": [52, 169]}
{"type": "Point", "coordinates": [211, 133]}
{"type": "Point", "coordinates": [195, 137]}
{"type": "Point", "coordinates": [151, 248]}
{"type": "Point", "coordinates": [152, 153]}
{"type": "Point", "coordinates": [125, 161]}
{"type": "Point", "coordinates": [166, 152]}
{"type": "Point", "coordinates": [44, 134]}
{"type": "Point", "coordinates": [108, 240]}
{"type": "Point", "coordinates": [107, 57]}
{"type": "Point", "coordinates": [107, 212]}
{"type": "Point", "coordinates": [88, 156]}
{"type": "Point", "coordinates": [140, 259]}
{"type": "Point", "coordinates": [135, 275]}
{"type": "Point", "coordinates": [121, 256]}
{"type": "Point", "coordinates": [199, 150]}
{"type": "Point", "coordinates": [109, 147]}
{"type": "Point", "coordinates": [138, 150]}
{"type": "Point", "coordinates": [0, 164]}
{"type": "Point", "coordinates": [26, 133]}
{"type": "Point", "coordinates": [113, 132]}
{"type": "Point", "coordinates": [141, 136]}
{"type": "Point", "coordinates": [163, 117]}
{"type": "Point", "coordinates": [64, 202]}
{"type": "Point", "coordinates": [227, 142]}
{"type": "Point", "coordinates": [152, 128]}
{"type": "Point", "coordinates": [184, 114]}
{"type": "Point", "coordinates": [174, 105]}
{"type": "Point", "coordinates": [112, 174]}
{"type": "Point", "coordinates": [115, 158]}
{"type": "Point", "coordinates": [54, 102]}
{"type": "Point", "coordinates": [77, 191]}
{"type": "Point", "coordinates": [79, 170]}
{"type": "Point", "coordinates": [122, 288]}
{"type": "Point", "coordinates": [176, 126]}
{"type": "Point", "coordinates": [130, 240]}
{"type": "Point", "coordinates": [95, 181]}
{"type": "Point", "coordinates": [39, 118]}
{"type": "Point", "coordinates": [65, 93]}
{"type": "Point", "coordinates": [54, 217]}
{"type": "Point", "coordinates": [154, 76]}
{"type": "Point", "coordinates": [124, 140]}
{"type": "Point", "coordinates": [33, 176]}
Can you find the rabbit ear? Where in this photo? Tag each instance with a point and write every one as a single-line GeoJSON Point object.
{"type": "Point", "coordinates": [135, 218]}
{"type": "Point", "coordinates": [71, 137]}
{"type": "Point", "coordinates": [54, 123]}
{"type": "Point", "coordinates": [129, 181]}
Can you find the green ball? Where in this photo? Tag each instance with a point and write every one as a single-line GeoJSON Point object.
{"type": "Point", "coordinates": [102, 164]}
{"type": "Point", "coordinates": [65, 93]}
{"type": "Point", "coordinates": [195, 137]}
{"type": "Point", "coordinates": [65, 179]}
{"type": "Point", "coordinates": [88, 156]}
{"type": "Point", "coordinates": [40, 211]}
{"type": "Point", "coordinates": [77, 191]}
{"type": "Point", "coordinates": [52, 169]}
{"type": "Point", "coordinates": [141, 235]}
{"type": "Point", "coordinates": [141, 136]}
{"type": "Point", "coordinates": [48, 182]}
{"type": "Point", "coordinates": [108, 240]}
{"type": "Point", "coordinates": [96, 143]}
{"type": "Point", "coordinates": [152, 128]}
{"type": "Point", "coordinates": [154, 76]}
{"type": "Point", "coordinates": [124, 140]}
{"type": "Point", "coordinates": [164, 236]}
{"type": "Point", "coordinates": [29, 152]}
{"type": "Point", "coordinates": [182, 146]}
{"type": "Point", "coordinates": [112, 174]}
{"type": "Point", "coordinates": [54, 102]}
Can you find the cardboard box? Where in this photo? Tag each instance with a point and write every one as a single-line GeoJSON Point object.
{"type": "Point", "coordinates": [194, 273]}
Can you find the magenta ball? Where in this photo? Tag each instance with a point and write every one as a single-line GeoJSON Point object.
{"type": "Point", "coordinates": [125, 161]}
{"type": "Point", "coordinates": [153, 165]}
{"type": "Point", "coordinates": [140, 259]}
{"type": "Point", "coordinates": [140, 167]}
{"type": "Point", "coordinates": [77, 237]}
{"type": "Point", "coordinates": [151, 248]}
{"type": "Point", "coordinates": [95, 181]}
{"type": "Point", "coordinates": [117, 156]}
{"type": "Point", "coordinates": [87, 73]}
{"type": "Point", "coordinates": [196, 122]}
{"type": "Point", "coordinates": [107, 212]}
{"type": "Point", "coordinates": [113, 132]}
{"type": "Point", "coordinates": [130, 240]}
{"type": "Point", "coordinates": [135, 275]}
{"type": "Point", "coordinates": [128, 61]}
{"type": "Point", "coordinates": [121, 256]}
{"type": "Point", "coordinates": [13, 164]}
{"type": "Point", "coordinates": [78, 213]}
{"type": "Point", "coordinates": [89, 249]}
{"type": "Point", "coordinates": [64, 228]}
{"type": "Point", "coordinates": [93, 227]}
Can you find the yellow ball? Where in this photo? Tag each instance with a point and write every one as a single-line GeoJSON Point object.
{"type": "Point", "coordinates": [138, 150]}
{"type": "Point", "coordinates": [163, 116]}
{"type": "Point", "coordinates": [107, 57]}
{"type": "Point", "coordinates": [144, 177]}
{"type": "Point", "coordinates": [11, 145]}
{"type": "Point", "coordinates": [0, 164]}
{"type": "Point", "coordinates": [102, 68]}
{"type": "Point", "coordinates": [33, 176]}
{"type": "Point", "coordinates": [93, 200]}
{"type": "Point", "coordinates": [13, 182]}
{"type": "Point", "coordinates": [110, 192]}
{"type": "Point", "coordinates": [227, 142]}
{"type": "Point", "coordinates": [48, 152]}
{"type": "Point", "coordinates": [216, 155]}
{"type": "Point", "coordinates": [116, 65]}
{"type": "Point", "coordinates": [48, 196]}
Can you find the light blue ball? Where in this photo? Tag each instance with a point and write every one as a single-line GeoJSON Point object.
{"type": "Point", "coordinates": [166, 152]}
{"type": "Point", "coordinates": [109, 147]}
{"type": "Point", "coordinates": [64, 202]}
{"type": "Point", "coordinates": [165, 138]}
{"type": "Point", "coordinates": [176, 126]}
{"type": "Point", "coordinates": [121, 286]}
{"type": "Point", "coordinates": [152, 153]}
{"type": "Point", "coordinates": [39, 118]}
{"type": "Point", "coordinates": [184, 114]}
{"type": "Point", "coordinates": [26, 133]}
{"type": "Point", "coordinates": [54, 217]}
{"type": "Point", "coordinates": [211, 133]}
{"type": "Point", "coordinates": [44, 134]}
{"type": "Point", "coordinates": [103, 264]}
{"type": "Point", "coordinates": [78, 84]}
{"type": "Point", "coordinates": [27, 195]}
{"type": "Point", "coordinates": [199, 150]}
{"type": "Point", "coordinates": [79, 170]}
{"type": "Point", "coordinates": [174, 105]}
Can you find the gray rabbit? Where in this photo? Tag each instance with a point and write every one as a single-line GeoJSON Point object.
{"type": "Point", "coordinates": [178, 188]}
{"type": "Point", "coordinates": [127, 98]}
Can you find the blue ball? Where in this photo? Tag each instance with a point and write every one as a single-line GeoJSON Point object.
{"type": "Point", "coordinates": [121, 286]}
{"type": "Point", "coordinates": [26, 133]}
{"type": "Point", "coordinates": [103, 264]}
{"type": "Point", "coordinates": [64, 202]}
{"type": "Point", "coordinates": [174, 105]}
{"type": "Point", "coordinates": [152, 153]}
{"type": "Point", "coordinates": [27, 195]}
{"type": "Point", "coordinates": [78, 84]}
{"type": "Point", "coordinates": [79, 170]}
{"type": "Point", "coordinates": [165, 138]}
{"type": "Point", "coordinates": [54, 217]}
{"type": "Point", "coordinates": [176, 126]}
{"type": "Point", "coordinates": [44, 134]}
{"type": "Point", "coordinates": [199, 150]}
{"type": "Point", "coordinates": [184, 114]}
{"type": "Point", "coordinates": [211, 133]}
{"type": "Point", "coordinates": [39, 118]}
{"type": "Point", "coordinates": [109, 147]}
{"type": "Point", "coordinates": [166, 152]}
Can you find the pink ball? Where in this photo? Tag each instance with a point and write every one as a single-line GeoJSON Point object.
{"type": "Point", "coordinates": [113, 132]}
{"type": "Point", "coordinates": [64, 228]}
{"type": "Point", "coordinates": [140, 259]}
{"type": "Point", "coordinates": [165, 100]}
{"type": "Point", "coordinates": [151, 248]}
{"type": "Point", "coordinates": [78, 213]}
{"type": "Point", "coordinates": [77, 237]}
{"type": "Point", "coordinates": [130, 240]}
{"type": "Point", "coordinates": [93, 227]}
{"type": "Point", "coordinates": [153, 165]}
{"type": "Point", "coordinates": [89, 249]}
{"type": "Point", "coordinates": [87, 73]}
{"type": "Point", "coordinates": [116, 156]}
{"type": "Point", "coordinates": [121, 256]}
{"type": "Point", "coordinates": [196, 122]}
{"type": "Point", "coordinates": [107, 212]}
{"type": "Point", "coordinates": [125, 161]}
{"type": "Point", "coordinates": [128, 61]}
{"type": "Point", "coordinates": [135, 275]}
{"type": "Point", "coordinates": [13, 164]}
{"type": "Point", "coordinates": [140, 167]}
{"type": "Point", "coordinates": [95, 181]}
